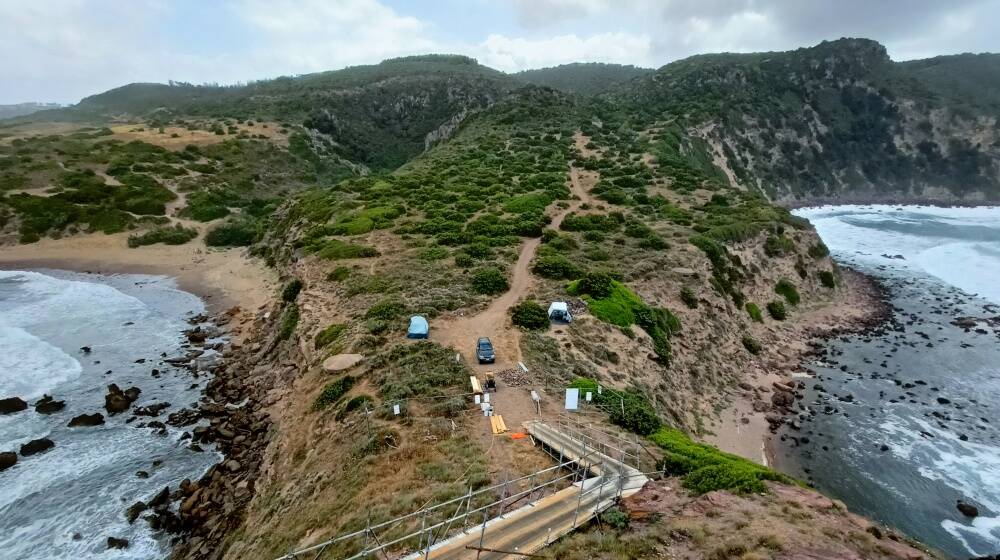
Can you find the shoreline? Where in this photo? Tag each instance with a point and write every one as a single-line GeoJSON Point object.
{"type": "Point", "coordinates": [746, 425]}
{"type": "Point", "coordinates": [222, 278]}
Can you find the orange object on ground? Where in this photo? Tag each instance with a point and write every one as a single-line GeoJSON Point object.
{"type": "Point", "coordinates": [518, 435]}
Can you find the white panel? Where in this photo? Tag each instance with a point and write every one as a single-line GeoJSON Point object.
{"type": "Point", "coordinates": [572, 399]}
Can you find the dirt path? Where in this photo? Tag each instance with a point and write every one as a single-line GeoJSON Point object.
{"type": "Point", "coordinates": [461, 332]}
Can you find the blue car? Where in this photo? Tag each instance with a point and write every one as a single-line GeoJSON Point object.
{"type": "Point", "coordinates": [484, 351]}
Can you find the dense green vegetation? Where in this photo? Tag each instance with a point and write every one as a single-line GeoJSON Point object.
{"type": "Point", "coordinates": [329, 335]}
{"type": "Point", "coordinates": [765, 108]}
{"type": "Point", "coordinates": [584, 78]}
{"type": "Point", "coordinates": [169, 235]}
{"type": "Point", "coordinates": [333, 392]}
{"type": "Point", "coordinates": [629, 409]}
{"type": "Point", "coordinates": [704, 468]}
{"type": "Point", "coordinates": [529, 315]}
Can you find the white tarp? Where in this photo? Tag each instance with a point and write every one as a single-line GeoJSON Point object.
{"type": "Point", "coordinates": [572, 399]}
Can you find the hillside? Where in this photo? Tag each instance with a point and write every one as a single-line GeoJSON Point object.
{"type": "Point", "coordinates": [838, 121]}
{"type": "Point", "coordinates": [435, 186]}
{"type": "Point", "coordinates": [23, 109]}
{"type": "Point", "coordinates": [378, 115]}
{"type": "Point", "coordinates": [582, 78]}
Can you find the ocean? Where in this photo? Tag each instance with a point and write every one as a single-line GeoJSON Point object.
{"type": "Point", "coordinates": [901, 423]}
{"type": "Point", "coordinates": [65, 502]}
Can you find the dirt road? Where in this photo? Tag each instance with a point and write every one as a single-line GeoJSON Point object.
{"type": "Point", "coordinates": [461, 332]}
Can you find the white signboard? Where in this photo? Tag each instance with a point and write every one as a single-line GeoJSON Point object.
{"type": "Point", "coordinates": [534, 396]}
{"type": "Point", "coordinates": [395, 409]}
{"type": "Point", "coordinates": [572, 399]}
{"type": "Point", "coordinates": [477, 399]}
{"type": "Point", "coordinates": [588, 396]}
{"type": "Point", "coordinates": [599, 388]}
{"type": "Point", "coordinates": [486, 397]}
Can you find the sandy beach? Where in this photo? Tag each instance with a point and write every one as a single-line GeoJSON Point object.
{"type": "Point", "coordinates": [222, 277]}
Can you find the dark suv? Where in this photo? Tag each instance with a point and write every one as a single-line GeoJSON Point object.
{"type": "Point", "coordinates": [484, 351]}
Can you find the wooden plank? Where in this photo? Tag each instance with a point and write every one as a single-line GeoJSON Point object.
{"type": "Point", "coordinates": [476, 388]}
{"type": "Point", "coordinates": [501, 423]}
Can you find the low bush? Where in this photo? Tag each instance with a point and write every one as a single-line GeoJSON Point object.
{"type": "Point", "coordinates": [788, 291]}
{"type": "Point", "coordinates": [754, 311]}
{"type": "Point", "coordinates": [170, 235]}
{"type": "Point", "coordinates": [752, 345]}
{"type": "Point", "coordinates": [489, 281]}
{"type": "Point", "coordinates": [329, 334]}
{"type": "Point", "coordinates": [615, 518]}
{"type": "Point", "coordinates": [819, 250]}
{"type": "Point", "coordinates": [289, 320]}
{"type": "Point", "coordinates": [627, 409]}
{"type": "Point", "coordinates": [232, 234]}
{"type": "Point", "coordinates": [333, 392]}
{"type": "Point", "coordinates": [335, 249]}
{"type": "Point", "coordinates": [689, 298]}
{"type": "Point", "coordinates": [386, 310]}
{"type": "Point", "coordinates": [291, 290]}
{"type": "Point", "coordinates": [777, 310]}
{"type": "Point", "coordinates": [778, 245]}
{"type": "Point", "coordinates": [704, 468]}
{"type": "Point", "coordinates": [338, 274]}
{"type": "Point", "coordinates": [826, 278]}
{"type": "Point", "coordinates": [556, 267]}
{"type": "Point", "coordinates": [529, 315]}
{"type": "Point", "coordinates": [359, 402]}
{"type": "Point", "coordinates": [597, 285]}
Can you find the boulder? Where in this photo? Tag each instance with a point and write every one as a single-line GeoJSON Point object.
{"type": "Point", "coordinates": [341, 362]}
{"type": "Point", "coordinates": [782, 399]}
{"type": "Point", "coordinates": [132, 393]}
{"type": "Point", "coordinates": [117, 543]}
{"type": "Point", "coordinates": [7, 460]}
{"type": "Point", "coordinates": [117, 401]}
{"type": "Point", "coordinates": [152, 410]}
{"type": "Point", "coordinates": [11, 405]}
{"type": "Point", "coordinates": [36, 446]}
{"type": "Point", "coordinates": [967, 509]}
{"type": "Point", "coordinates": [48, 405]}
{"type": "Point", "coordinates": [133, 512]}
{"type": "Point", "coordinates": [94, 419]}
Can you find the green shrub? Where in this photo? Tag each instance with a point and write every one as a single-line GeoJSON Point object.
{"type": "Point", "coordinates": [175, 235]}
{"type": "Point", "coordinates": [627, 409]}
{"type": "Point", "coordinates": [689, 298]}
{"type": "Point", "coordinates": [778, 245]}
{"type": "Point", "coordinates": [333, 392]}
{"type": "Point", "coordinates": [338, 274]}
{"type": "Point", "coordinates": [329, 334]}
{"type": "Point", "coordinates": [232, 234]}
{"type": "Point", "coordinates": [777, 310]}
{"type": "Point", "coordinates": [489, 281]}
{"type": "Point", "coordinates": [754, 311]}
{"type": "Point", "coordinates": [704, 468]}
{"type": "Point", "coordinates": [826, 278]}
{"type": "Point", "coordinates": [289, 320]}
{"type": "Point", "coordinates": [556, 267]}
{"type": "Point", "coordinates": [335, 249]}
{"type": "Point", "coordinates": [751, 344]}
{"type": "Point", "coordinates": [529, 315]}
{"type": "Point", "coordinates": [433, 253]}
{"type": "Point", "coordinates": [291, 290]}
{"type": "Point", "coordinates": [597, 285]}
{"type": "Point", "coordinates": [787, 289]}
{"type": "Point", "coordinates": [819, 250]}
{"type": "Point", "coordinates": [359, 402]}
{"type": "Point", "coordinates": [386, 310]}
{"type": "Point", "coordinates": [615, 518]}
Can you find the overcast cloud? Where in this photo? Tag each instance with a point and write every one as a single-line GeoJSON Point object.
{"type": "Point", "coordinates": [63, 50]}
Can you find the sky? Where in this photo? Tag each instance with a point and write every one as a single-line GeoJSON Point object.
{"type": "Point", "coordinates": [63, 50]}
